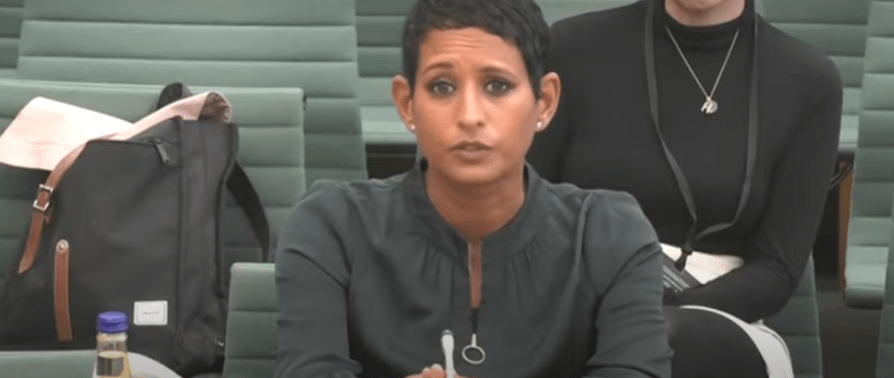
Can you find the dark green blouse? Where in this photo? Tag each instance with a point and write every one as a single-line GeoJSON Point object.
{"type": "Point", "coordinates": [369, 275]}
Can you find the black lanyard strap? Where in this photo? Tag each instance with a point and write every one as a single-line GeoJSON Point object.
{"type": "Point", "coordinates": [751, 155]}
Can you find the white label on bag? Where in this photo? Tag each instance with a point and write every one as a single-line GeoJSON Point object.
{"type": "Point", "coordinates": [154, 313]}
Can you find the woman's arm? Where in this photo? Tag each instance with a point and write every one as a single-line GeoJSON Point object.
{"type": "Point", "coordinates": [312, 274]}
{"type": "Point", "coordinates": [777, 253]}
{"type": "Point", "coordinates": [631, 340]}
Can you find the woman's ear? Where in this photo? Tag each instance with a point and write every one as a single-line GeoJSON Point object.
{"type": "Point", "coordinates": [402, 95]}
{"type": "Point", "coordinates": [550, 91]}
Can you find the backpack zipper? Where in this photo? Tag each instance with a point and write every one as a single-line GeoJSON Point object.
{"type": "Point", "coordinates": [161, 151]}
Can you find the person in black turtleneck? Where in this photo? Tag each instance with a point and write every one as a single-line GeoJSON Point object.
{"type": "Point", "coordinates": [636, 75]}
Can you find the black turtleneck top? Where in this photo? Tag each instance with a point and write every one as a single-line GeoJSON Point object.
{"type": "Point", "coordinates": [602, 137]}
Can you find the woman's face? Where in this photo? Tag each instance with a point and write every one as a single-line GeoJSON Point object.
{"type": "Point", "coordinates": [472, 109]}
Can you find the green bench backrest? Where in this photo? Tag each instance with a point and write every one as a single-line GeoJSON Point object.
{"type": "Point", "coordinates": [309, 44]}
{"type": "Point", "coordinates": [555, 10]}
{"type": "Point", "coordinates": [870, 223]}
{"type": "Point", "coordinates": [251, 323]}
{"type": "Point", "coordinates": [10, 27]}
{"type": "Point", "coordinates": [878, 117]}
{"type": "Point", "coordinates": [379, 30]}
{"type": "Point", "coordinates": [56, 364]}
{"type": "Point", "coordinates": [838, 27]}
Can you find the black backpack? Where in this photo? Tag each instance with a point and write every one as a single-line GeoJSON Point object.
{"type": "Point", "coordinates": [148, 226]}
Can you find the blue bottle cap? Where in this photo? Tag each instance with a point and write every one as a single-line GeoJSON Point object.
{"type": "Point", "coordinates": [111, 322]}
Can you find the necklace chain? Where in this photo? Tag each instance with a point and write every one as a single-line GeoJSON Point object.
{"type": "Point", "coordinates": [710, 105]}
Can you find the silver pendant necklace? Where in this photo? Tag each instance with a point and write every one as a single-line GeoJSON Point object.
{"type": "Point", "coordinates": [710, 106]}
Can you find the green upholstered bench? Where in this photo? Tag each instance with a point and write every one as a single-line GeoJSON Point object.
{"type": "Point", "coordinates": [54, 364]}
{"type": "Point", "coordinates": [868, 238]}
{"type": "Point", "coordinates": [379, 31]}
{"type": "Point", "coordinates": [839, 28]}
{"type": "Point", "coordinates": [878, 119]}
{"type": "Point", "coordinates": [555, 10]}
{"type": "Point", "coordinates": [885, 357]}
{"type": "Point", "coordinates": [10, 28]}
{"type": "Point", "coordinates": [251, 327]}
{"type": "Point", "coordinates": [308, 44]}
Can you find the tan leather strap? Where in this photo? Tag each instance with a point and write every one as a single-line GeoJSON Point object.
{"type": "Point", "coordinates": [60, 292]}
{"type": "Point", "coordinates": [41, 206]}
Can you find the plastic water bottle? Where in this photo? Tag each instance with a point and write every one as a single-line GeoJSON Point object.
{"type": "Point", "coordinates": [111, 346]}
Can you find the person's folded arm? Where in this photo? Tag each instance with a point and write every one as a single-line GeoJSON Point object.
{"type": "Point", "coordinates": [631, 340]}
{"type": "Point", "coordinates": [776, 254]}
{"type": "Point", "coordinates": [312, 278]}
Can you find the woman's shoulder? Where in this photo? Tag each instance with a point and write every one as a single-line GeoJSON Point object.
{"type": "Point", "coordinates": [613, 213]}
{"type": "Point", "coordinates": [331, 200]}
{"type": "Point", "coordinates": [610, 226]}
{"type": "Point", "coordinates": [331, 210]}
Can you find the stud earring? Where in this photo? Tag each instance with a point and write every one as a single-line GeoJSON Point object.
{"type": "Point", "coordinates": [539, 125]}
{"type": "Point", "coordinates": [413, 128]}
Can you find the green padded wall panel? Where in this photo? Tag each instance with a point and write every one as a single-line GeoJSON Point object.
{"type": "Point", "coordinates": [868, 237]}
{"type": "Point", "coordinates": [56, 364]}
{"type": "Point", "coordinates": [309, 44]}
{"type": "Point", "coordinates": [10, 28]}
{"type": "Point", "coordinates": [379, 30]}
{"type": "Point", "coordinates": [251, 326]}
{"type": "Point", "coordinates": [839, 28]}
{"type": "Point", "coordinates": [555, 10]}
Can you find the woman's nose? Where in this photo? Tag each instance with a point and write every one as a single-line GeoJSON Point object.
{"type": "Point", "coordinates": [470, 109]}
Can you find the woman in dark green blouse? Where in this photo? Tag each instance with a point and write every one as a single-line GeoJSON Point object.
{"type": "Point", "coordinates": [537, 279]}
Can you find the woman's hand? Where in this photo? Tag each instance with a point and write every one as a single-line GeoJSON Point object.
{"type": "Point", "coordinates": [435, 371]}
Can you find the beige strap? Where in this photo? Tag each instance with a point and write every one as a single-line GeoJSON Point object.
{"type": "Point", "coordinates": [204, 106]}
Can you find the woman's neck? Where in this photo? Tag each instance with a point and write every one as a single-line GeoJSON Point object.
{"type": "Point", "coordinates": [708, 16]}
{"type": "Point", "coordinates": [476, 210]}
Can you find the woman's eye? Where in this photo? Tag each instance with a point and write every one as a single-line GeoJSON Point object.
{"type": "Point", "coordinates": [497, 87]}
{"type": "Point", "coordinates": [441, 88]}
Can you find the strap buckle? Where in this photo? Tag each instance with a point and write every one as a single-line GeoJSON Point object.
{"type": "Point", "coordinates": [42, 188]}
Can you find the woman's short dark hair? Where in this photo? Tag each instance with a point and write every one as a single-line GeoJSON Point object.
{"type": "Point", "coordinates": [517, 21]}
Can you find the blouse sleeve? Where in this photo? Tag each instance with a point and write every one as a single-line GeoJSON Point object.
{"type": "Point", "coordinates": [777, 253]}
{"type": "Point", "coordinates": [312, 273]}
{"type": "Point", "coordinates": [548, 151]}
{"type": "Point", "coordinates": [631, 340]}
